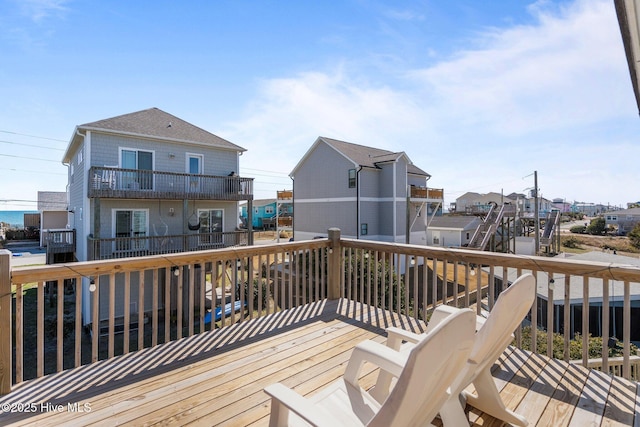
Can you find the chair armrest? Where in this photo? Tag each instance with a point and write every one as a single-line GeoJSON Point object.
{"type": "Point", "coordinates": [282, 395]}
{"type": "Point", "coordinates": [439, 314]}
{"type": "Point", "coordinates": [395, 336]}
{"type": "Point", "coordinates": [386, 358]}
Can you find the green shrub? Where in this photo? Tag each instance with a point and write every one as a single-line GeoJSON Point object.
{"type": "Point", "coordinates": [575, 345]}
{"type": "Point", "coordinates": [578, 229]}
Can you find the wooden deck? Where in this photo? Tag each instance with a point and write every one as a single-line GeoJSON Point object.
{"type": "Point", "coordinates": [217, 378]}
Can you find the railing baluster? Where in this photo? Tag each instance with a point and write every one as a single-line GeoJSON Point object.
{"type": "Point", "coordinates": [191, 300]}
{"type": "Point", "coordinates": [95, 326]}
{"type": "Point", "coordinates": [112, 313]}
{"type": "Point", "coordinates": [126, 337]}
{"type": "Point", "coordinates": [626, 330]}
{"type": "Point", "coordinates": [567, 316]}
{"type": "Point", "coordinates": [154, 308]}
{"type": "Point", "coordinates": [179, 289]}
{"type": "Point", "coordinates": [585, 320]}
{"type": "Point", "coordinates": [40, 331]}
{"type": "Point", "coordinates": [141, 286]}
{"type": "Point", "coordinates": [19, 334]}
{"type": "Point", "coordinates": [60, 325]}
{"type": "Point", "coordinates": [550, 313]}
{"type": "Point", "coordinates": [605, 325]}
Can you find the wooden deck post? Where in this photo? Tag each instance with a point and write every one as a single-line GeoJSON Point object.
{"type": "Point", "coordinates": [335, 255]}
{"type": "Point", "coordinates": [5, 321]}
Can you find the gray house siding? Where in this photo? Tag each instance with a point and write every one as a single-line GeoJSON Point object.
{"type": "Point", "coordinates": [378, 205]}
{"type": "Point", "coordinates": [315, 218]}
{"type": "Point", "coordinates": [167, 156]}
{"type": "Point", "coordinates": [325, 185]}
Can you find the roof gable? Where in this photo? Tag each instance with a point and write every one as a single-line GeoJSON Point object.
{"type": "Point", "coordinates": [157, 124]}
{"type": "Point", "coordinates": [363, 156]}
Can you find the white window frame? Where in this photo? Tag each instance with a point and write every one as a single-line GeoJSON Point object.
{"type": "Point", "coordinates": [137, 150]}
{"type": "Point", "coordinates": [187, 161]}
{"type": "Point", "coordinates": [207, 240]}
{"type": "Point", "coordinates": [269, 210]}
{"type": "Point", "coordinates": [142, 247]}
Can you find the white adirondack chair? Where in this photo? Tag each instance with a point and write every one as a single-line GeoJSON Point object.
{"type": "Point", "coordinates": [424, 374]}
{"type": "Point", "coordinates": [493, 336]}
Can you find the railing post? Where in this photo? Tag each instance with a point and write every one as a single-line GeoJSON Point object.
{"type": "Point", "coordinates": [335, 253]}
{"type": "Point", "coordinates": [5, 321]}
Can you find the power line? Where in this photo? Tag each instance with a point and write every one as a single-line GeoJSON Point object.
{"type": "Point", "coordinates": [31, 158]}
{"type": "Point", "coordinates": [30, 171]}
{"type": "Point", "coordinates": [32, 136]}
{"type": "Point", "coordinates": [30, 145]}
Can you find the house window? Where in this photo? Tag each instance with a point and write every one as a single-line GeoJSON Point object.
{"type": "Point", "coordinates": [211, 226]}
{"type": "Point", "coordinates": [142, 161]}
{"type": "Point", "coordinates": [364, 229]}
{"type": "Point", "coordinates": [195, 163]}
{"type": "Point", "coordinates": [352, 178]}
{"type": "Point", "coordinates": [268, 210]}
{"type": "Point", "coordinates": [468, 236]}
{"type": "Point", "coordinates": [131, 229]}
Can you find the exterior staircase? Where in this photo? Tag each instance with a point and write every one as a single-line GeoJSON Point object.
{"type": "Point", "coordinates": [550, 227]}
{"type": "Point", "coordinates": [486, 229]}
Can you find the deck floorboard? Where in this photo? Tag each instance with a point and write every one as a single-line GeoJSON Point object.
{"type": "Point", "coordinates": [218, 377]}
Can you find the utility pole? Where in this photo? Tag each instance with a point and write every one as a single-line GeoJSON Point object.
{"type": "Point", "coordinates": [537, 211]}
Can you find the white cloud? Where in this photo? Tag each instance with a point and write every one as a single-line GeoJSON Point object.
{"type": "Point", "coordinates": [558, 73]}
{"type": "Point", "coordinates": [37, 10]}
{"type": "Point", "coordinates": [518, 100]}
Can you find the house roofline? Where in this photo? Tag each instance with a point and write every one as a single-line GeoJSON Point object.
{"type": "Point", "coordinates": [72, 143]}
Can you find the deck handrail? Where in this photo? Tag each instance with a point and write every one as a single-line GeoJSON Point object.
{"type": "Point", "coordinates": [151, 184]}
{"type": "Point", "coordinates": [163, 296]}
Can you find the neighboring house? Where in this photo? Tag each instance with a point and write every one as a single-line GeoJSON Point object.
{"type": "Point", "coordinates": [150, 183]}
{"type": "Point", "coordinates": [265, 212]}
{"type": "Point", "coordinates": [55, 233]}
{"type": "Point", "coordinates": [561, 205]}
{"type": "Point", "coordinates": [624, 220]}
{"type": "Point", "coordinates": [476, 203]}
{"type": "Point", "coordinates": [451, 231]}
{"type": "Point", "coordinates": [367, 192]}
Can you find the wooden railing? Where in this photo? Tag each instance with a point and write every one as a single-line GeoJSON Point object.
{"type": "Point", "coordinates": [143, 302]}
{"type": "Point", "coordinates": [427, 193]}
{"type": "Point", "coordinates": [126, 247]}
{"type": "Point", "coordinates": [421, 278]}
{"type": "Point", "coordinates": [616, 365]}
{"type": "Point", "coordinates": [144, 184]}
{"type": "Point", "coordinates": [146, 301]}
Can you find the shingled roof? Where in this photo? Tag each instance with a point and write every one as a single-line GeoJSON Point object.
{"type": "Point", "coordinates": [155, 123]}
{"type": "Point", "coordinates": [369, 157]}
{"type": "Point", "coordinates": [159, 124]}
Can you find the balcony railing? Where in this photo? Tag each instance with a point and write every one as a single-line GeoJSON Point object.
{"type": "Point", "coordinates": [125, 247]}
{"type": "Point", "coordinates": [427, 193]}
{"type": "Point", "coordinates": [146, 301]}
{"type": "Point", "coordinates": [59, 240]}
{"type": "Point", "coordinates": [144, 184]}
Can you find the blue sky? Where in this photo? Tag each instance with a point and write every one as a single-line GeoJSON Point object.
{"type": "Point", "coordinates": [478, 94]}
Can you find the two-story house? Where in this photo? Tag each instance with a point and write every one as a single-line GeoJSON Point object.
{"type": "Point", "coordinates": [148, 183]}
{"type": "Point", "coordinates": [266, 211]}
{"type": "Point", "coordinates": [623, 220]}
{"type": "Point", "coordinates": [369, 193]}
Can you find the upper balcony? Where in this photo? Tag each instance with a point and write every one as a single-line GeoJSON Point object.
{"type": "Point", "coordinates": [143, 184]}
{"type": "Point", "coordinates": [303, 307]}
{"type": "Point", "coordinates": [426, 193]}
